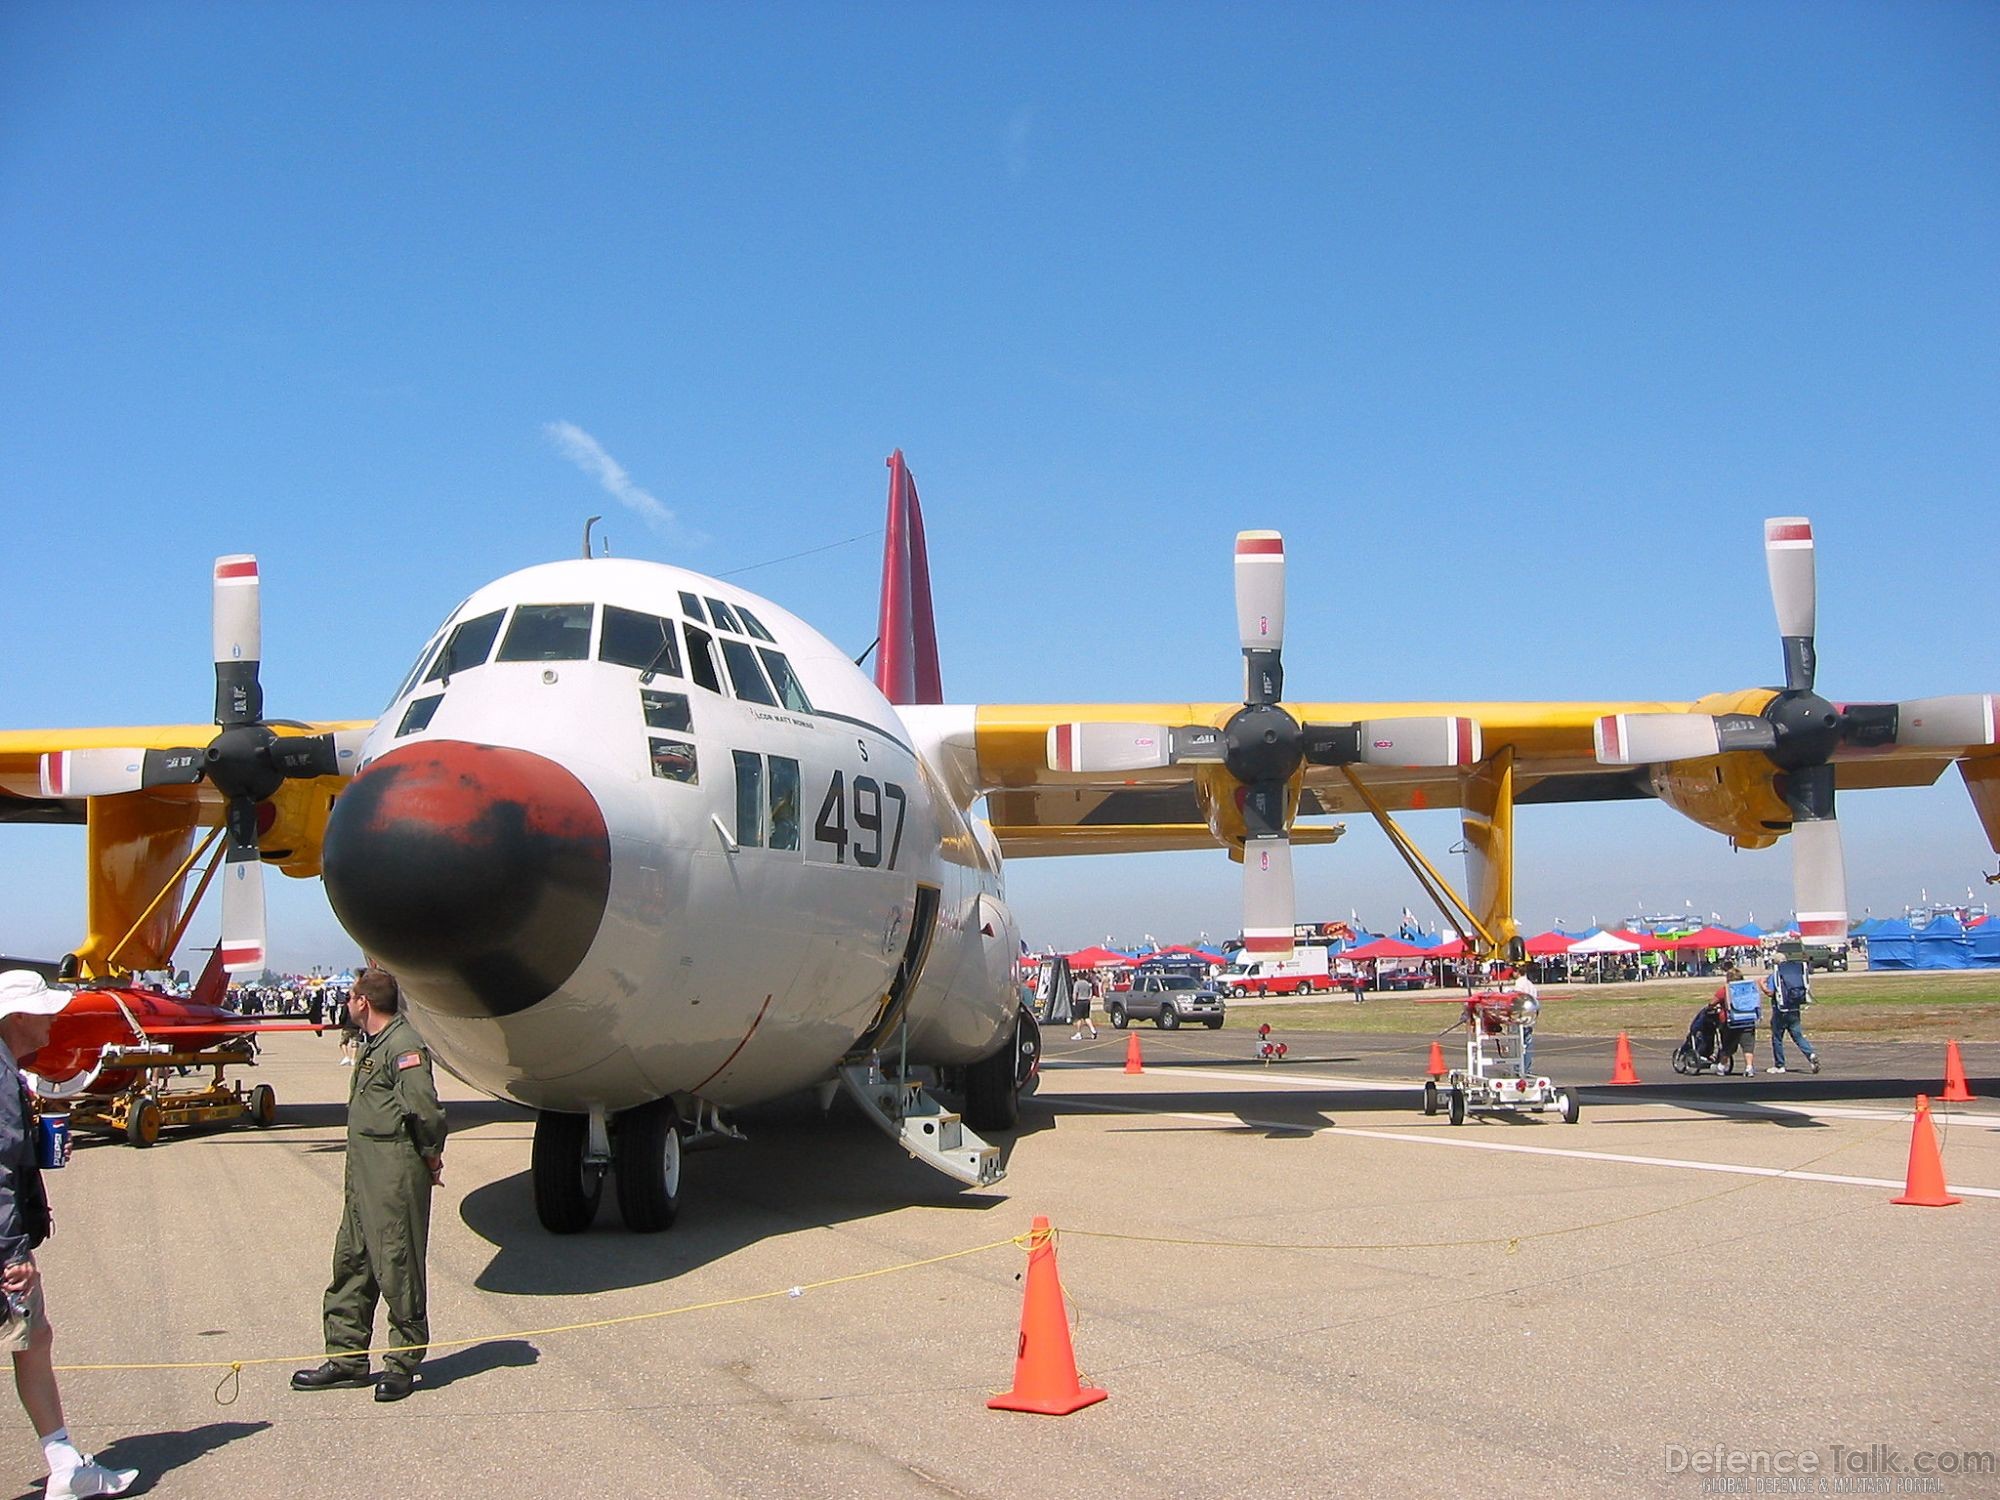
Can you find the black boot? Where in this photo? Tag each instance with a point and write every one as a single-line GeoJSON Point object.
{"type": "Point", "coordinates": [394, 1385]}
{"type": "Point", "coordinates": [331, 1375]}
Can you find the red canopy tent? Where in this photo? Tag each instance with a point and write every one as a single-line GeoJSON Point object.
{"type": "Point", "coordinates": [1713, 937]}
{"type": "Point", "coordinates": [1388, 947]}
{"type": "Point", "coordinates": [1450, 948]}
{"type": "Point", "coordinates": [1098, 958]}
{"type": "Point", "coordinates": [1550, 944]}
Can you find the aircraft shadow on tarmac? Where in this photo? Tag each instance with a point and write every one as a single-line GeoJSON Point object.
{"type": "Point", "coordinates": [799, 1168]}
{"type": "Point", "coordinates": [157, 1454]}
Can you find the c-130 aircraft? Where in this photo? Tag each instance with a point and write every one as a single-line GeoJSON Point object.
{"type": "Point", "coordinates": [644, 848]}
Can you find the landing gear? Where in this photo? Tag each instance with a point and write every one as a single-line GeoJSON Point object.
{"type": "Point", "coordinates": [646, 1156]}
{"type": "Point", "coordinates": [567, 1183]}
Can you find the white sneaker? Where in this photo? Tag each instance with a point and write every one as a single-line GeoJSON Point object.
{"type": "Point", "coordinates": [89, 1478]}
{"type": "Point", "coordinates": [1751, 1071]}
{"type": "Point", "coordinates": [1774, 1070]}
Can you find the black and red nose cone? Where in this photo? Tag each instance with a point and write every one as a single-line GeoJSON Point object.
{"type": "Point", "coordinates": [476, 874]}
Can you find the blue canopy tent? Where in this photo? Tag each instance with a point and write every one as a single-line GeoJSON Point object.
{"type": "Point", "coordinates": [1940, 944]}
{"type": "Point", "coordinates": [1985, 940]}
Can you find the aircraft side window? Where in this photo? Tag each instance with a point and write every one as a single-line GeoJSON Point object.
{"type": "Point", "coordinates": [784, 802]}
{"type": "Point", "coordinates": [691, 607]}
{"type": "Point", "coordinates": [419, 714]}
{"type": "Point", "coordinates": [755, 626]}
{"type": "Point", "coordinates": [632, 639]}
{"type": "Point", "coordinates": [746, 674]}
{"type": "Point", "coordinates": [701, 658]}
{"type": "Point", "coordinates": [423, 658]}
{"type": "Point", "coordinates": [786, 681]}
{"type": "Point", "coordinates": [749, 799]}
{"type": "Point", "coordinates": [466, 646]}
{"type": "Point", "coordinates": [667, 711]}
{"type": "Point", "coordinates": [548, 632]}
{"type": "Point", "coordinates": [674, 760]}
{"type": "Point", "coordinates": [723, 616]}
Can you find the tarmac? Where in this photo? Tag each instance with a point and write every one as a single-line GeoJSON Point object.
{"type": "Point", "coordinates": [1290, 1280]}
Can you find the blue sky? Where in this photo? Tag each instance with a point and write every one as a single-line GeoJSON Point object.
{"type": "Point", "coordinates": [1516, 319]}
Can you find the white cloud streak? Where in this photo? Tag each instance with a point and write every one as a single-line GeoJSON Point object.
{"type": "Point", "coordinates": [583, 450]}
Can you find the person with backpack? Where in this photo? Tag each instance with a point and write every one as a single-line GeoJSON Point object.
{"type": "Point", "coordinates": [1790, 987]}
{"type": "Point", "coordinates": [1739, 1003]}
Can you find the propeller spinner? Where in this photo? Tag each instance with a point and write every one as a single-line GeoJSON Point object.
{"type": "Point", "coordinates": [1799, 731]}
{"type": "Point", "coordinates": [1262, 746]}
{"type": "Point", "coordinates": [246, 761]}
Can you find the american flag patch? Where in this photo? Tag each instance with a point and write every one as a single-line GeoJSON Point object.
{"type": "Point", "coordinates": [409, 1060]}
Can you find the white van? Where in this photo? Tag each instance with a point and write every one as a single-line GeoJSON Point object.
{"type": "Point", "coordinates": [1304, 973]}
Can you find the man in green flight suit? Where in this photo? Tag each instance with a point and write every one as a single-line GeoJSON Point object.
{"type": "Point", "coordinates": [395, 1156]}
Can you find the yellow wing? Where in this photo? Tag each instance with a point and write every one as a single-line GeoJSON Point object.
{"type": "Point", "coordinates": [140, 843]}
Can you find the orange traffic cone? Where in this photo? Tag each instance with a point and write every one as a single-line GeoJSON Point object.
{"type": "Point", "coordinates": [1045, 1364]}
{"type": "Point", "coordinates": [1132, 1063]}
{"type": "Point", "coordinates": [1436, 1066]}
{"type": "Point", "coordinates": [1621, 1067]}
{"type": "Point", "coordinates": [1923, 1184]}
{"type": "Point", "coordinates": [1955, 1090]}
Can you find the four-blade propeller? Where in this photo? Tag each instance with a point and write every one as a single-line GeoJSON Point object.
{"type": "Point", "coordinates": [246, 761]}
{"type": "Point", "coordinates": [1799, 732]}
{"type": "Point", "coordinates": [1262, 746]}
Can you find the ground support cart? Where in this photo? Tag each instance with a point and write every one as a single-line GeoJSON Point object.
{"type": "Point", "coordinates": [155, 1094]}
{"type": "Point", "coordinates": [1491, 1081]}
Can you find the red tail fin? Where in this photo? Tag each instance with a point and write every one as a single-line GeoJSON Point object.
{"type": "Point", "coordinates": [906, 656]}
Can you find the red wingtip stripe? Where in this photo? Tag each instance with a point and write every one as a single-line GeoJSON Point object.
{"type": "Point", "coordinates": [1823, 927]}
{"type": "Point", "coordinates": [1464, 741]}
{"type": "Point", "coordinates": [1608, 727]}
{"type": "Point", "coordinates": [1796, 531]}
{"type": "Point", "coordinates": [1250, 546]}
{"type": "Point", "coordinates": [237, 569]}
{"type": "Point", "coordinates": [58, 767]}
{"type": "Point", "coordinates": [1065, 747]}
{"type": "Point", "coordinates": [1266, 944]}
{"type": "Point", "coordinates": [242, 953]}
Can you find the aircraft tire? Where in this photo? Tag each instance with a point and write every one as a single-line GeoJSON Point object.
{"type": "Point", "coordinates": [263, 1106]}
{"type": "Point", "coordinates": [993, 1089]}
{"type": "Point", "coordinates": [566, 1189]}
{"type": "Point", "coordinates": [142, 1124]}
{"type": "Point", "coordinates": [646, 1156]}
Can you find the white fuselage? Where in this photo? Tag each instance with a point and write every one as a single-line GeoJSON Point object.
{"type": "Point", "coordinates": [765, 857]}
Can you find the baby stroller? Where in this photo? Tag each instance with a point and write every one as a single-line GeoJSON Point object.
{"type": "Point", "coordinates": [1701, 1049]}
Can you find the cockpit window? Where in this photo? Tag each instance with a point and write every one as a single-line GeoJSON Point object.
{"type": "Point", "coordinates": [466, 646]}
{"type": "Point", "coordinates": [632, 639]}
{"type": "Point", "coordinates": [419, 714]}
{"type": "Point", "coordinates": [667, 711]}
{"type": "Point", "coordinates": [722, 615]}
{"type": "Point", "coordinates": [746, 674]}
{"type": "Point", "coordinates": [417, 666]}
{"type": "Point", "coordinates": [548, 632]}
{"type": "Point", "coordinates": [701, 657]}
{"type": "Point", "coordinates": [755, 626]}
{"type": "Point", "coordinates": [786, 681]}
{"type": "Point", "coordinates": [691, 607]}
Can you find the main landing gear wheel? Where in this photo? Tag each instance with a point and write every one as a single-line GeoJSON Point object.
{"type": "Point", "coordinates": [263, 1106]}
{"type": "Point", "coordinates": [993, 1088]}
{"type": "Point", "coordinates": [646, 1155]}
{"type": "Point", "coordinates": [567, 1186]}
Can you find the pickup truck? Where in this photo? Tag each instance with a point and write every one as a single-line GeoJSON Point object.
{"type": "Point", "coordinates": [1166, 1000]}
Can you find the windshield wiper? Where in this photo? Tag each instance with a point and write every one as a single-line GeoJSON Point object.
{"type": "Point", "coordinates": [659, 659]}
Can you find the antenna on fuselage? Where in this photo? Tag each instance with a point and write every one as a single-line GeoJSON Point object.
{"type": "Point", "coordinates": [586, 533]}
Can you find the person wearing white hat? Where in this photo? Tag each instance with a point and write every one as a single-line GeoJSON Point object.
{"type": "Point", "coordinates": [28, 1007]}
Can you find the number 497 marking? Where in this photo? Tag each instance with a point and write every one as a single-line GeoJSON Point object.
{"type": "Point", "coordinates": [865, 811]}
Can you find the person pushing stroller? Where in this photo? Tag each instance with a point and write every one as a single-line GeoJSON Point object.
{"type": "Point", "coordinates": [1739, 1005]}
